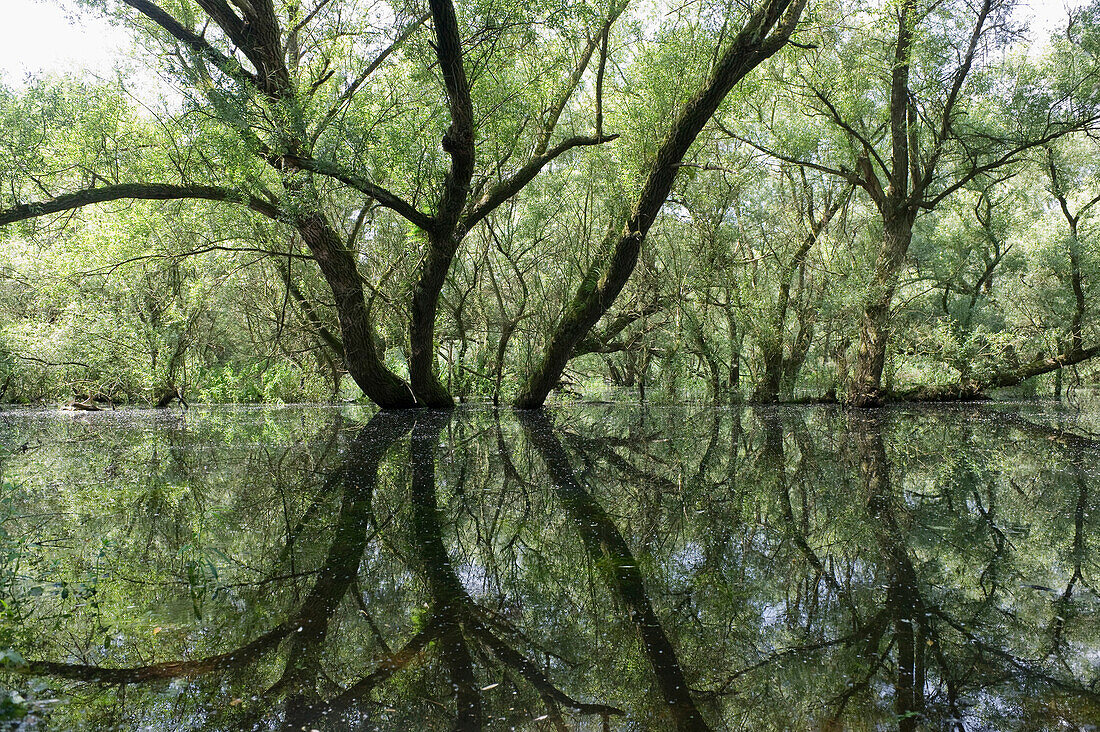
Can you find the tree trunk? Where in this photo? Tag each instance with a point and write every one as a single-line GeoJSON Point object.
{"type": "Point", "coordinates": [707, 355]}
{"type": "Point", "coordinates": [767, 391]}
{"type": "Point", "coordinates": [1042, 366]}
{"type": "Point", "coordinates": [974, 390]}
{"type": "Point", "coordinates": [1076, 331]}
{"type": "Point", "coordinates": [840, 356]}
{"type": "Point", "coordinates": [425, 303]}
{"type": "Point", "coordinates": [337, 264]}
{"type": "Point", "coordinates": [443, 239]}
{"type": "Point", "coordinates": [903, 599]}
{"type": "Point", "coordinates": [733, 383]}
{"type": "Point", "coordinates": [449, 600]}
{"type": "Point", "coordinates": [169, 395]}
{"type": "Point", "coordinates": [714, 367]}
{"type": "Point", "coordinates": [792, 364]}
{"type": "Point", "coordinates": [866, 387]}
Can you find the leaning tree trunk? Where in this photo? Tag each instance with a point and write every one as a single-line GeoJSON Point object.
{"type": "Point", "coordinates": [766, 31]}
{"type": "Point", "coordinates": [866, 387]}
{"type": "Point", "coordinates": [337, 264]}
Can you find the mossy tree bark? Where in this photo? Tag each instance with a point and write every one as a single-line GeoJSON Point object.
{"type": "Point", "coordinates": [866, 386]}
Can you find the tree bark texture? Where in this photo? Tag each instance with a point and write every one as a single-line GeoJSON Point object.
{"type": "Point", "coordinates": [866, 386]}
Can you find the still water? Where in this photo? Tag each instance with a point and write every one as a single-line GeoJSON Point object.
{"type": "Point", "coordinates": [595, 567]}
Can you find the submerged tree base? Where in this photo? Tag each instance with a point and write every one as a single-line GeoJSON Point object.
{"type": "Point", "coordinates": [942, 393]}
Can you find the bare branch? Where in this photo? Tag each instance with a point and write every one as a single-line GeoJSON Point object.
{"type": "Point", "coordinates": [1006, 158]}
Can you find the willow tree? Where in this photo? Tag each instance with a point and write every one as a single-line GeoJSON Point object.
{"type": "Point", "coordinates": [766, 30]}
{"type": "Point", "coordinates": [287, 86]}
{"type": "Point", "coordinates": [780, 361]}
{"type": "Point", "coordinates": [945, 103]}
{"type": "Point", "coordinates": [1058, 314]}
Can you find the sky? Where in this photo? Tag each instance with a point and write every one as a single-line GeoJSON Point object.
{"type": "Point", "coordinates": [38, 36]}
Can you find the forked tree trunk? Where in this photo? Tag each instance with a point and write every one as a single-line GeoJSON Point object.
{"type": "Point", "coordinates": [443, 238]}
{"type": "Point", "coordinates": [781, 371]}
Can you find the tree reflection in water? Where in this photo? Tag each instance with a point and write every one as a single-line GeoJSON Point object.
{"type": "Point", "coordinates": [603, 568]}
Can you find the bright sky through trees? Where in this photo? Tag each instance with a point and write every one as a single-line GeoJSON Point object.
{"type": "Point", "coordinates": [42, 36]}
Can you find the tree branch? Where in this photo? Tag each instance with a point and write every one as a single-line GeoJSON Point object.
{"type": "Point", "coordinates": [514, 184]}
{"type": "Point", "coordinates": [575, 78]}
{"type": "Point", "coordinates": [137, 191]}
{"type": "Point", "coordinates": [351, 88]}
{"type": "Point", "coordinates": [197, 43]}
{"type": "Point", "coordinates": [360, 183]}
{"type": "Point", "coordinates": [1006, 158]}
{"type": "Point", "coordinates": [848, 175]}
{"type": "Point", "coordinates": [952, 99]}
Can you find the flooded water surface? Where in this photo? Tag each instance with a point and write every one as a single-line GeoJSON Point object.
{"type": "Point", "coordinates": [594, 567]}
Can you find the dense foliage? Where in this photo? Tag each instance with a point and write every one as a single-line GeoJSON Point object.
{"type": "Point", "coordinates": [853, 199]}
